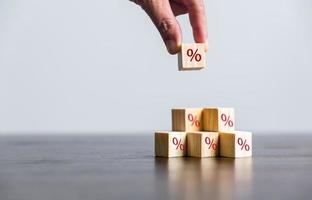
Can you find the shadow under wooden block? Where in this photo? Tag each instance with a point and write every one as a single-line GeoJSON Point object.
{"type": "Point", "coordinates": [170, 144]}
{"type": "Point", "coordinates": [202, 144]}
{"type": "Point", "coordinates": [218, 119]}
{"type": "Point", "coordinates": [236, 144]}
{"type": "Point", "coordinates": [186, 119]}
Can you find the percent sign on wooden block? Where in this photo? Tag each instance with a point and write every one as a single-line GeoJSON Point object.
{"type": "Point", "coordinates": [170, 144]}
{"type": "Point", "coordinates": [211, 143]}
{"type": "Point", "coordinates": [236, 144]}
{"type": "Point", "coordinates": [202, 144]}
{"type": "Point", "coordinates": [243, 144]}
{"type": "Point", "coordinates": [218, 119]}
{"type": "Point", "coordinates": [192, 56]}
{"type": "Point", "coordinates": [186, 119]}
{"type": "Point", "coordinates": [178, 143]}
{"type": "Point", "coordinates": [226, 119]}
{"type": "Point", "coordinates": [193, 119]}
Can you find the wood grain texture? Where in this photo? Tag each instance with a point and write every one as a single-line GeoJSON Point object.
{"type": "Point", "coordinates": [194, 144]}
{"type": "Point", "coordinates": [162, 144]}
{"type": "Point", "coordinates": [170, 144]}
{"type": "Point", "coordinates": [178, 119]}
{"type": "Point", "coordinates": [197, 144]}
{"type": "Point", "coordinates": [185, 119]}
{"type": "Point", "coordinates": [212, 119]}
{"type": "Point", "coordinates": [186, 62]}
{"type": "Point", "coordinates": [237, 144]}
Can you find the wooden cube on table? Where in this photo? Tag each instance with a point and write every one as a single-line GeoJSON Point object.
{"type": "Point", "coordinates": [236, 144]}
{"type": "Point", "coordinates": [192, 56]}
{"type": "Point", "coordinates": [170, 144]}
{"type": "Point", "coordinates": [202, 144]}
{"type": "Point", "coordinates": [218, 119]}
{"type": "Point", "coordinates": [186, 119]}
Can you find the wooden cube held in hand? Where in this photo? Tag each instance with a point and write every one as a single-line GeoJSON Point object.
{"type": "Point", "coordinates": [202, 144]}
{"type": "Point", "coordinates": [218, 119]}
{"type": "Point", "coordinates": [170, 144]}
{"type": "Point", "coordinates": [192, 56]}
{"type": "Point", "coordinates": [236, 144]}
{"type": "Point", "coordinates": [186, 119]}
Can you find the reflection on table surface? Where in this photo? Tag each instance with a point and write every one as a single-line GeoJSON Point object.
{"type": "Point", "coordinates": [206, 178]}
{"type": "Point", "coordinates": [123, 167]}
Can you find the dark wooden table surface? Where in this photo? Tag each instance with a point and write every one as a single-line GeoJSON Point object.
{"type": "Point", "coordinates": [123, 167]}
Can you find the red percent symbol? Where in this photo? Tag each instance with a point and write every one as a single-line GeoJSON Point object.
{"type": "Point", "coordinates": [193, 119]}
{"type": "Point", "coordinates": [178, 143]}
{"type": "Point", "coordinates": [227, 120]}
{"type": "Point", "coordinates": [243, 144]}
{"type": "Point", "coordinates": [193, 55]}
{"type": "Point", "coordinates": [210, 143]}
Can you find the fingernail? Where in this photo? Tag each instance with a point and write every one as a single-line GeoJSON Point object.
{"type": "Point", "coordinates": [171, 46]}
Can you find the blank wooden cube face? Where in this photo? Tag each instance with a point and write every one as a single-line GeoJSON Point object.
{"type": "Point", "coordinates": [187, 119]}
{"type": "Point", "coordinates": [237, 144]}
{"type": "Point", "coordinates": [192, 56]}
{"type": "Point", "coordinates": [202, 144]}
{"type": "Point", "coordinates": [218, 119]}
{"type": "Point", "coordinates": [170, 144]}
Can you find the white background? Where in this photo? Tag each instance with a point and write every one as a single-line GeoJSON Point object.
{"type": "Point", "coordinates": [100, 66]}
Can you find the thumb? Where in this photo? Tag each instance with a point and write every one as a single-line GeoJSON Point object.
{"type": "Point", "coordinates": [162, 16]}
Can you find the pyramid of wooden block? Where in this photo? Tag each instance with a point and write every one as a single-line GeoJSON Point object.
{"type": "Point", "coordinates": [203, 132]}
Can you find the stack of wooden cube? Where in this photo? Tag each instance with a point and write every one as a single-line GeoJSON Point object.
{"type": "Point", "coordinates": [203, 132]}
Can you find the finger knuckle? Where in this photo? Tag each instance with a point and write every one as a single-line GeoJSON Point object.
{"type": "Point", "coordinates": [166, 26]}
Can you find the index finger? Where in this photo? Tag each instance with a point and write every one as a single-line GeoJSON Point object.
{"type": "Point", "coordinates": [197, 15]}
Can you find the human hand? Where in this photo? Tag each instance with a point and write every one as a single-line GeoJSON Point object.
{"type": "Point", "coordinates": [163, 14]}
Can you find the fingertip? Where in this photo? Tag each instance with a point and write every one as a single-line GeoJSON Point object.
{"type": "Point", "coordinates": [201, 39]}
{"type": "Point", "coordinates": [172, 46]}
{"type": "Point", "coordinates": [200, 35]}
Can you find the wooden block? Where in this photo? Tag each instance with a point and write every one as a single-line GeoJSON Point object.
{"type": "Point", "coordinates": [192, 56]}
{"type": "Point", "coordinates": [202, 144]}
{"type": "Point", "coordinates": [218, 119]}
{"type": "Point", "coordinates": [186, 119]}
{"type": "Point", "coordinates": [236, 144]}
{"type": "Point", "coordinates": [170, 144]}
